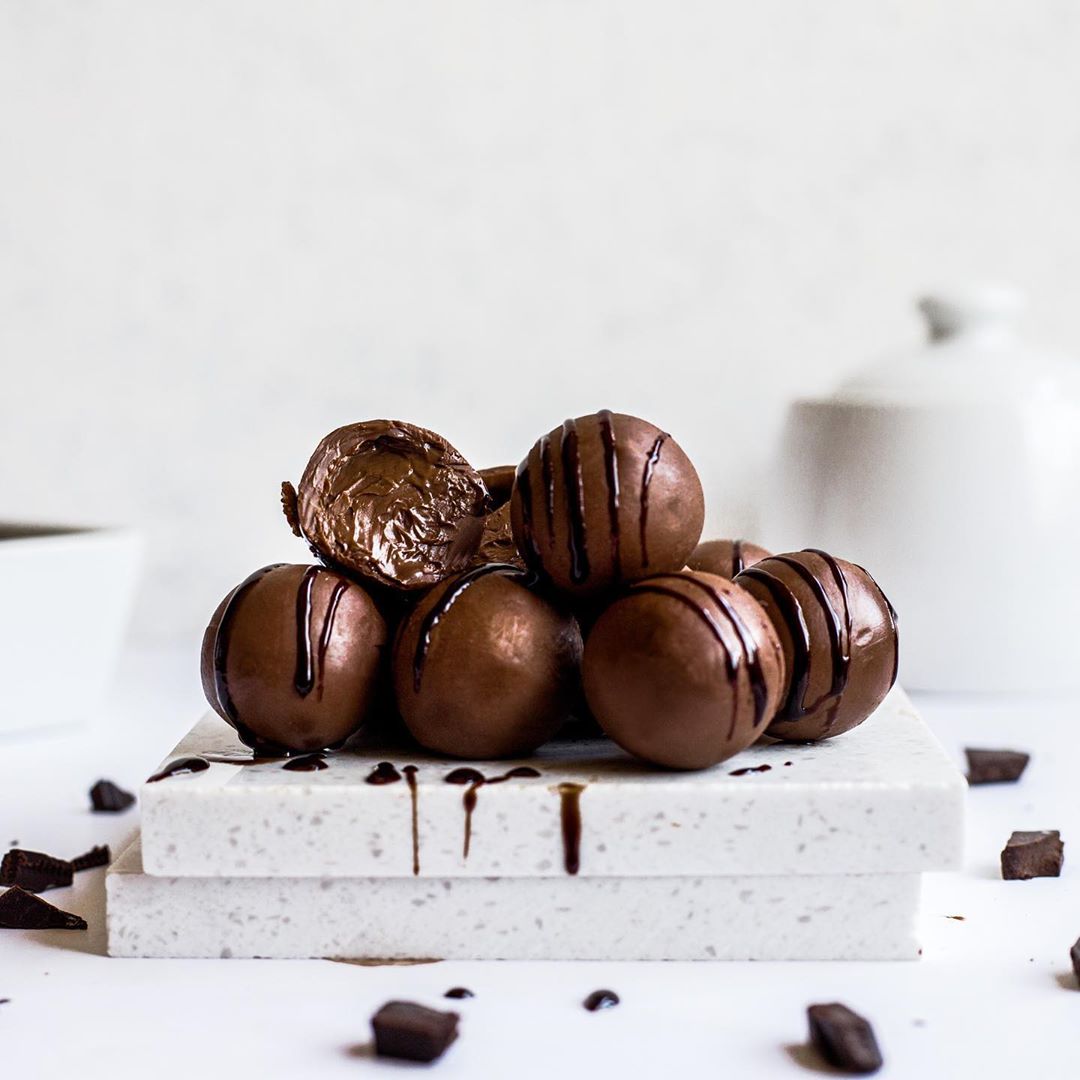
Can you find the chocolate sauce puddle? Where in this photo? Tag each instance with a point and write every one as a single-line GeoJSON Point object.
{"type": "Point", "coordinates": [601, 999]}
{"type": "Point", "coordinates": [459, 993]}
{"type": "Point", "coordinates": [570, 816]}
{"type": "Point", "coordinates": [307, 763]}
{"type": "Point", "coordinates": [751, 769]}
{"type": "Point", "coordinates": [383, 773]}
{"type": "Point", "coordinates": [180, 765]}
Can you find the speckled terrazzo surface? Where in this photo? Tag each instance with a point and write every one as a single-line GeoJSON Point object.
{"type": "Point", "coordinates": [883, 798]}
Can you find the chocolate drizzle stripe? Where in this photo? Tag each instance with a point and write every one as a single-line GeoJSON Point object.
{"type": "Point", "coordinates": [304, 678]}
{"type": "Point", "coordinates": [224, 702]}
{"type": "Point", "coordinates": [547, 477]}
{"type": "Point", "coordinates": [414, 797]}
{"type": "Point", "coordinates": [328, 630]}
{"type": "Point", "coordinates": [794, 708]}
{"type": "Point", "coordinates": [570, 818]}
{"type": "Point", "coordinates": [651, 461]}
{"type": "Point", "coordinates": [839, 653]}
{"type": "Point", "coordinates": [450, 595]}
{"type": "Point", "coordinates": [577, 541]}
{"type": "Point", "coordinates": [750, 651]}
{"type": "Point", "coordinates": [737, 563]}
{"type": "Point", "coordinates": [523, 480]}
{"type": "Point", "coordinates": [611, 470]}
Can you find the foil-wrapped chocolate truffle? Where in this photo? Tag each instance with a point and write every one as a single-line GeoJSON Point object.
{"type": "Point", "coordinates": [838, 631]}
{"type": "Point", "coordinates": [725, 558]}
{"type": "Point", "coordinates": [683, 670]}
{"type": "Point", "coordinates": [603, 499]}
{"type": "Point", "coordinates": [484, 667]}
{"type": "Point", "coordinates": [293, 657]}
{"type": "Point", "coordinates": [391, 502]}
{"type": "Point", "coordinates": [497, 543]}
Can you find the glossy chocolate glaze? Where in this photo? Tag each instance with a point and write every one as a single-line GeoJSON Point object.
{"type": "Point", "coordinates": [179, 766]}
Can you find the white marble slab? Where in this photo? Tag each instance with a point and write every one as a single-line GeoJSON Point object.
{"type": "Point", "coordinates": [809, 917]}
{"type": "Point", "coordinates": [881, 799]}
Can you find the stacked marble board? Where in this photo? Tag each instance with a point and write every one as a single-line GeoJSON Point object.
{"type": "Point", "coordinates": [783, 852]}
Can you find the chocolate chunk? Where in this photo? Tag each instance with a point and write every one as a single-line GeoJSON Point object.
{"type": "Point", "coordinates": [844, 1038]}
{"type": "Point", "coordinates": [96, 856]}
{"type": "Point", "coordinates": [601, 999]}
{"type": "Point", "coordinates": [107, 798]}
{"type": "Point", "coordinates": [404, 1029]}
{"type": "Point", "coordinates": [1074, 955]}
{"type": "Point", "coordinates": [22, 910]}
{"type": "Point", "coordinates": [995, 766]}
{"type": "Point", "coordinates": [1032, 854]}
{"type": "Point", "coordinates": [34, 871]}
{"type": "Point", "coordinates": [459, 993]}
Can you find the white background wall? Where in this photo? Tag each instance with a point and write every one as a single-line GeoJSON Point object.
{"type": "Point", "coordinates": [227, 227]}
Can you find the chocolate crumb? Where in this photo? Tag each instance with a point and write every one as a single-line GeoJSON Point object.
{"type": "Point", "coordinates": [22, 910]}
{"type": "Point", "coordinates": [844, 1038]}
{"type": "Point", "coordinates": [1032, 854]}
{"type": "Point", "coordinates": [35, 871]}
{"type": "Point", "coordinates": [289, 507]}
{"type": "Point", "coordinates": [404, 1029]}
{"type": "Point", "coordinates": [601, 999]}
{"type": "Point", "coordinates": [459, 993]}
{"type": "Point", "coordinates": [96, 856]}
{"type": "Point", "coordinates": [958, 918]}
{"type": "Point", "coordinates": [995, 766]}
{"type": "Point", "coordinates": [108, 798]}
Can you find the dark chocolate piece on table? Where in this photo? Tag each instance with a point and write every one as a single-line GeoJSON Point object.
{"type": "Point", "coordinates": [107, 798]}
{"type": "Point", "coordinates": [22, 910]}
{"type": "Point", "coordinates": [844, 1038]}
{"type": "Point", "coordinates": [459, 993]}
{"type": "Point", "coordinates": [1032, 854]}
{"type": "Point", "coordinates": [35, 871]}
{"type": "Point", "coordinates": [96, 856]}
{"type": "Point", "coordinates": [995, 766]}
{"type": "Point", "coordinates": [601, 999]}
{"type": "Point", "coordinates": [404, 1029]}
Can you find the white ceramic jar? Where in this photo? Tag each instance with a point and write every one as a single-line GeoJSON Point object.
{"type": "Point", "coordinates": [953, 474]}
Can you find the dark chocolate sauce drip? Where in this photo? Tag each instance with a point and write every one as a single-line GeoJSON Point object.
{"type": "Point", "coordinates": [414, 796]}
{"type": "Point", "coordinates": [601, 999]}
{"type": "Point", "coordinates": [547, 477]}
{"type": "Point", "coordinates": [476, 780]}
{"type": "Point", "coordinates": [575, 503]}
{"type": "Point", "coordinates": [570, 815]}
{"type": "Point", "coordinates": [328, 630]}
{"type": "Point", "coordinates": [523, 479]}
{"type": "Point", "coordinates": [304, 678]}
{"type": "Point", "coordinates": [646, 479]}
{"type": "Point", "coordinates": [750, 769]}
{"type": "Point", "coordinates": [225, 705]}
{"type": "Point", "coordinates": [794, 708]}
{"type": "Point", "coordinates": [737, 564]}
{"type": "Point", "coordinates": [383, 773]}
{"type": "Point", "coordinates": [611, 469]}
{"type": "Point", "coordinates": [445, 602]}
{"type": "Point", "coordinates": [180, 765]}
{"type": "Point", "coordinates": [459, 993]}
{"type": "Point", "coordinates": [307, 763]}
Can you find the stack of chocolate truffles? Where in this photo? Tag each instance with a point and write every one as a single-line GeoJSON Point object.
{"type": "Point", "coordinates": [525, 713]}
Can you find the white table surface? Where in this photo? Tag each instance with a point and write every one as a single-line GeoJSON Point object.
{"type": "Point", "coordinates": [993, 996]}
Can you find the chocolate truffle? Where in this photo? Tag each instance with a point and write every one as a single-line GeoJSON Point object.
{"type": "Point", "coordinates": [725, 558]}
{"type": "Point", "coordinates": [391, 502]}
{"type": "Point", "coordinates": [484, 667]}
{"type": "Point", "coordinates": [683, 670]}
{"type": "Point", "coordinates": [292, 658]}
{"type": "Point", "coordinates": [603, 499]}
{"type": "Point", "coordinates": [838, 631]}
{"type": "Point", "coordinates": [497, 543]}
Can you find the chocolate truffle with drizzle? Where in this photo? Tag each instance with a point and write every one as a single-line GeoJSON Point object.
{"type": "Point", "coordinates": [391, 502]}
{"type": "Point", "coordinates": [293, 657]}
{"type": "Point", "coordinates": [838, 631]}
{"type": "Point", "coordinates": [684, 670]}
{"type": "Point", "coordinates": [604, 499]}
{"type": "Point", "coordinates": [485, 667]}
{"type": "Point", "coordinates": [725, 558]}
